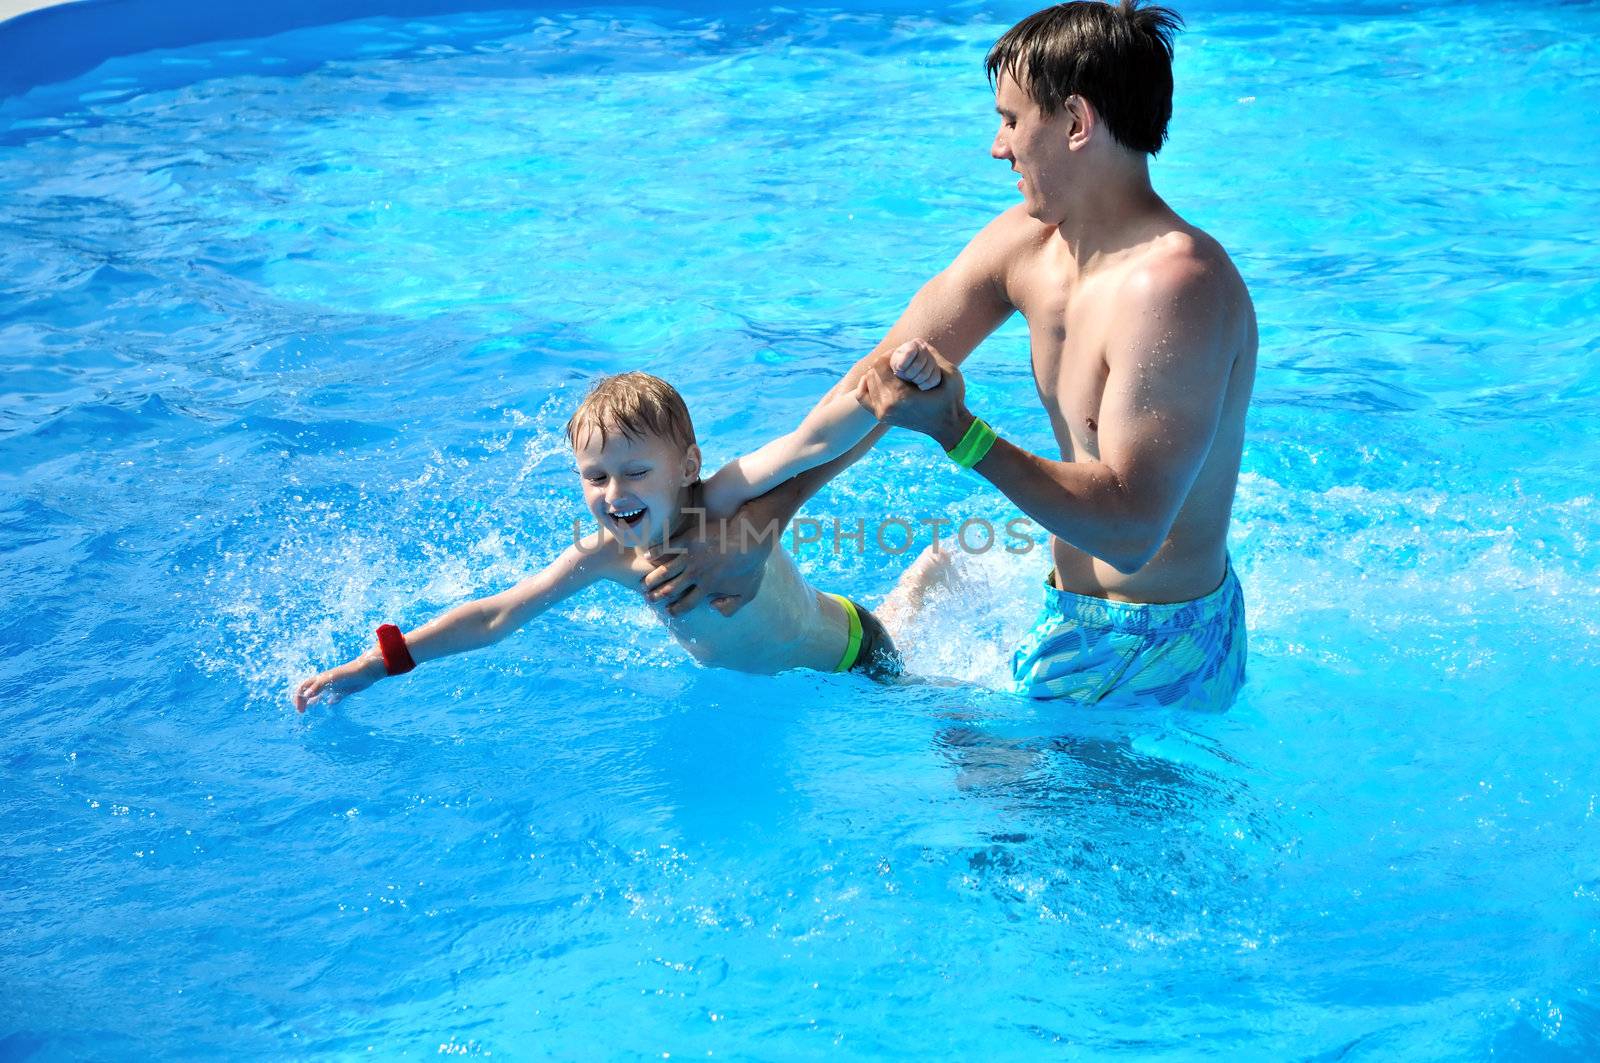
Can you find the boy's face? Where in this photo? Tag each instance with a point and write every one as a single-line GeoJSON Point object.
{"type": "Point", "coordinates": [633, 486]}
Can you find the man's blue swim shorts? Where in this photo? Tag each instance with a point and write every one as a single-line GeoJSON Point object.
{"type": "Point", "coordinates": [1093, 651]}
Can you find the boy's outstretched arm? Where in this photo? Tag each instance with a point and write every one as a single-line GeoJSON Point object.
{"type": "Point", "coordinates": [468, 626]}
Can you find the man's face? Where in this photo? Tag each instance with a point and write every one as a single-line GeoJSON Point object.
{"type": "Point", "coordinates": [1036, 147]}
{"type": "Point", "coordinates": [633, 486]}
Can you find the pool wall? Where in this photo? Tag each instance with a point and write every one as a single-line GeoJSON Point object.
{"type": "Point", "coordinates": [51, 42]}
{"type": "Point", "coordinates": [62, 41]}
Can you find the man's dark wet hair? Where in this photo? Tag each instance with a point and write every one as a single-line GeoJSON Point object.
{"type": "Point", "coordinates": [1116, 56]}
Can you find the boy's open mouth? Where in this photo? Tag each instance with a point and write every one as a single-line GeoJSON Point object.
{"type": "Point", "coordinates": [628, 518]}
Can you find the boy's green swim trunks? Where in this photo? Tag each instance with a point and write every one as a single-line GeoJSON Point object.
{"type": "Point", "coordinates": [870, 650]}
{"type": "Point", "coordinates": [1094, 651]}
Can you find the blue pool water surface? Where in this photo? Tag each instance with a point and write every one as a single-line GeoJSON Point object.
{"type": "Point", "coordinates": [289, 326]}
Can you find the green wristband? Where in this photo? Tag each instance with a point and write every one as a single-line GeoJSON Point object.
{"type": "Point", "coordinates": [974, 444]}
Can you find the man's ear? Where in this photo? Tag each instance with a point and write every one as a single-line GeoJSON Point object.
{"type": "Point", "coordinates": [691, 463]}
{"type": "Point", "coordinates": [1085, 121]}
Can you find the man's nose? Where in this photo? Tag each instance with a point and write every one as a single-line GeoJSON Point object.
{"type": "Point", "coordinates": [999, 149]}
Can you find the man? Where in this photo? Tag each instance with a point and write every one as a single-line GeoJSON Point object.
{"type": "Point", "coordinates": [1143, 349]}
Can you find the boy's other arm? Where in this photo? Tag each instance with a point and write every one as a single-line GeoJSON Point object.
{"type": "Point", "coordinates": [833, 427]}
{"type": "Point", "coordinates": [471, 625]}
{"type": "Point", "coordinates": [954, 312]}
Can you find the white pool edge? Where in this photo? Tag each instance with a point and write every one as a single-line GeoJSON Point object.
{"type": "Point", "coordinates": [10, 9]}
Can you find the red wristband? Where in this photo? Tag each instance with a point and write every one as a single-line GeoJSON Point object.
{"type": "Point", "coordinates": [396, 656]}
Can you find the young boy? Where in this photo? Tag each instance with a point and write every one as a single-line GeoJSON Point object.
{"type": "Point", "coordinates": [636, 454]}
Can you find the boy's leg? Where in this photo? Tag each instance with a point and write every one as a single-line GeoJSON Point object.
{"type": "Point", "coordinates": [902, 609]}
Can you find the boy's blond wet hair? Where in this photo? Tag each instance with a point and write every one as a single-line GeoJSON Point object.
{"type": "Point", "coordinates": [635, 405]}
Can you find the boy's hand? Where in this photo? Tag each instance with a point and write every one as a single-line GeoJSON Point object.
{"type": "Point", "coordinates": [359, 674]}
{"type": "Point", "coordinates": [916, 362]}
{"type": "Point", "coordinates": [940, 413]}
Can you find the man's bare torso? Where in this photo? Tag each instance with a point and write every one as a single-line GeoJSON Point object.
{"type": "Point", "coordinates": [1072, 319]}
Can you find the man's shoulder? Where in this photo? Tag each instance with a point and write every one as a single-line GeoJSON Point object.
{"type": "Point", "coordinates": [1175, 266]}
{"type": "Point", "coordinates": [1181, 294]}
{"type": "Point", "coordinates": [1014, 230]}
{"type": "Point", "coordinates": [1006, 251]}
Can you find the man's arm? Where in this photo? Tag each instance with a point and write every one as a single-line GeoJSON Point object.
{"type": "Point", "coordinates": [954, 312]}
{"type": "Point", "coordinates": [1168, 371]}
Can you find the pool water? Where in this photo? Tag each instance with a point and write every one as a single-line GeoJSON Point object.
{"type": "Point", "coordinates": [289, 327]}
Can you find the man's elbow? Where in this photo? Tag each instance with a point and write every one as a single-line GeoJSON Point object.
{"type": "Point", "coordinates": [1135, 527]}
{"type": "Point", "coordinates": [1136, 549]}
{"type": "Point", "coordinates": [1129, 563]}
